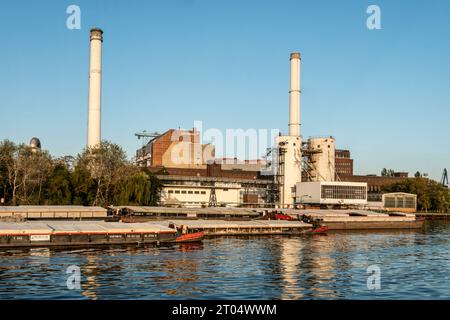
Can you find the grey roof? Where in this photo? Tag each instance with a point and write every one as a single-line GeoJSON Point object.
{"type": "Point", "coordinates": [51, 209]}
{"type": "Point", "coordinates": [209, 210]}
{"type": "Point", "coordinates": [240, 224]}
{"type": "Point", "coordinates": [80, 226]}
{"type": "Point", "coordinates": [400, 194]}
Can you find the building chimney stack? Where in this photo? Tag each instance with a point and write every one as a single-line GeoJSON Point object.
{"type": "Point", "coordinates": [95, 88]}
{"type": "Point", "coordinates": [294, 96]}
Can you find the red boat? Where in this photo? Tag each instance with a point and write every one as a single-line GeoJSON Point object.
{"type": "Point", "coordinates": [280, 216]}
{"type": "Point", "coordinates": [184, 234]}
{"type": "Point", "coordinates": [318, 230]}
{"type": "Point", "coordinates": [190, 237]}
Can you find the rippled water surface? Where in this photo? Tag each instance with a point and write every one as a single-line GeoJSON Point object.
{"type": "Point", "coordinates": [413, 264]}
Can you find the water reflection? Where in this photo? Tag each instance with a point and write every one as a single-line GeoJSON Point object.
{"type": "Point", "coordinates": [414, 265]}
{"type": "Point", "coordinates": [90, 272]}
{"type": "Point", "coordinates": [290, 258]}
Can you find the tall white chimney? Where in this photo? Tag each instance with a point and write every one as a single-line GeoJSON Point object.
{"type": "Point", "coordinates": [294, 96]}
{"type": "Point", "coordinates": [290, 170]}
{"type": "Point", "coordinates": [95, 88]}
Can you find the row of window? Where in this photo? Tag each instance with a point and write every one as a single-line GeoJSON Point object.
{"type": "Point", "coordinates": [186, 192]}
{"type": "Point", "coordinates": [374, 188]}
{"type": "Point", "coordinates": [190, 191]}
{"type": "Point", "coordinates": [344, 192]}
{"type": "Point", "coordinates": [344, 170]}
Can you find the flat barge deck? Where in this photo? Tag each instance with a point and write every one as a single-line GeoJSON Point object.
{"type": "Point", "coordinates": [343, 219]}
{"type": "Point", "coordinates": [236, 228]}
{"type": "Point", "coordinates": [139, 213]}
{"type": "Point", "coordinates": [82, 233]}
{"type": "Point", "coordinates": [360, 219]}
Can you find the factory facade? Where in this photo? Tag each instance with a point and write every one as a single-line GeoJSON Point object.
{"type": "Point", "coordinates": [310, 171]}
{"type": "Point", "coordinates": [192, 176]}
{"type": "Point", "coordinates": [176, 149]}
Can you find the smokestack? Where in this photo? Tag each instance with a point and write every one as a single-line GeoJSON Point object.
{"type": "Point", "coordinates": [95, 88]}
{"type": "Point", "coordinates": [294, 96]}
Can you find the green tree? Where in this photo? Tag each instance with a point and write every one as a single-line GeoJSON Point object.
{"type": "Point", "coordinates": [83, 187]}
{"type": "Point", "coordinates": [98, 176]}
{"type": "Point", "coordinates": [58, 189]}
{"type": "Point", "coordinates": [431, 195]}
{"type": "Point", "coordinates": [7, 149]}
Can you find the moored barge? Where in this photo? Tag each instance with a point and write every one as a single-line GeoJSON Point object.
{"type": "Point", "coordinates": [361, 219]}
{"type": "Point", "coordinates": [237, 228]}
{"type": "Point", "coordinates": [81, 233]}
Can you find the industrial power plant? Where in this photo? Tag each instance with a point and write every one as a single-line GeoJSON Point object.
{"type": "Point", "coordinates": [201, 150]}
{"type": "Point", "coordinates": [304, 172]}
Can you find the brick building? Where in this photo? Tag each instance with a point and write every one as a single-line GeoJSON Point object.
{"type": "Point", "coordinates": [343, 164]}
{"type": "Point", "coordinates": [176, 148]}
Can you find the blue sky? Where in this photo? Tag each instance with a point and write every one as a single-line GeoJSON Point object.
{"type": "Point", "coordinates": [382, 93]}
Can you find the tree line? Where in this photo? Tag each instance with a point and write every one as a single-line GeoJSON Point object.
{"type": "Point", "coordinates": [431, 195]}
{"type": "Point", "coordinates": [99, 176]}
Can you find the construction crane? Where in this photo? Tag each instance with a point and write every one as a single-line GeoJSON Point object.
{"type": "Point", "coordinates": [146, 136]}
{"type": "Point", "coordinates": [444, 179]}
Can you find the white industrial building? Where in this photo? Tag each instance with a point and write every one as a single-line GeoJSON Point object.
{"type": "Point", "coordinates": [331, 193]}
{"type": "Point", "coordinates": [195, 192]}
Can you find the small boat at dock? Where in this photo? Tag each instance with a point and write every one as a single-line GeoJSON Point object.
{"type": "Point", "coordinates": [318, 230]}
{"type": "Point", "coordinates": [190, 237]}
{"type": "Point", "coordinates": [186, 234]}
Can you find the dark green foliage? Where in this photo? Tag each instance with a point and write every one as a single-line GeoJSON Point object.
{"type": "Point", "coordinates": [58, 189]}
{"type": "Point", "coordinates": [100, 176]}
{"type": "Point", "coordinates": [387, 173]}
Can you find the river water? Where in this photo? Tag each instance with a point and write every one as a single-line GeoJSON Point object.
{"type": "Point", "coordinates": [340, 265]}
